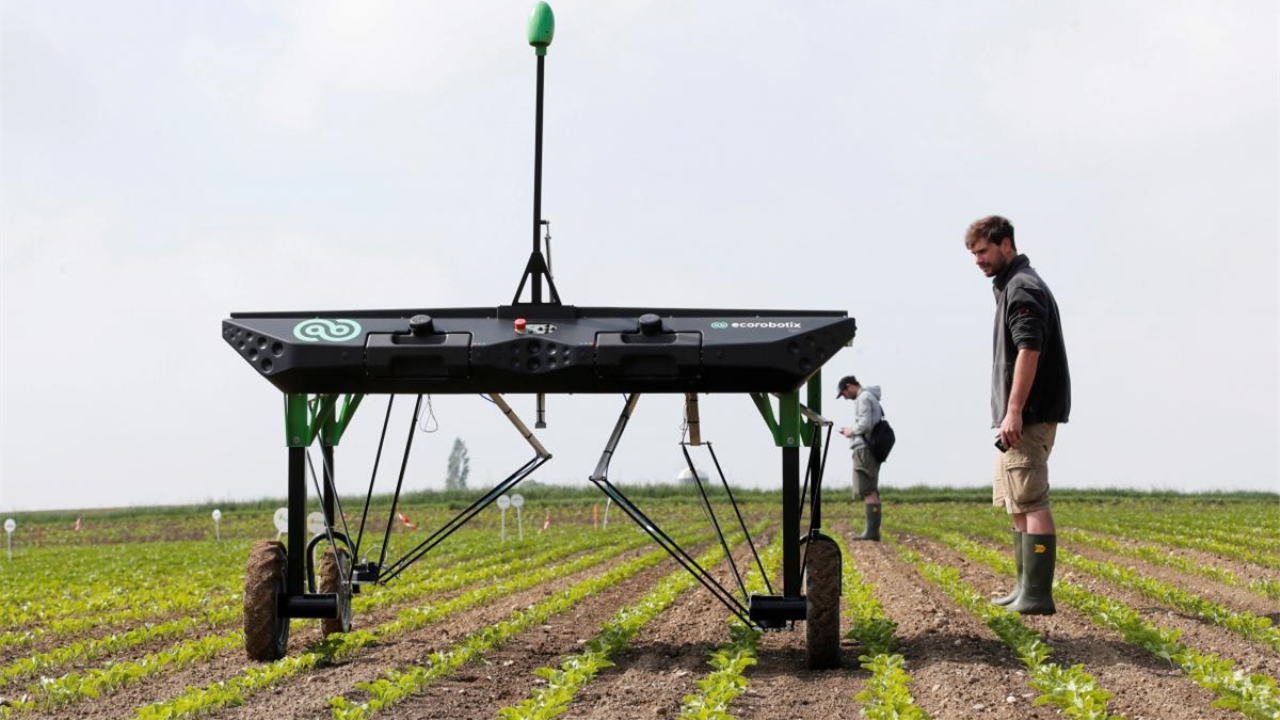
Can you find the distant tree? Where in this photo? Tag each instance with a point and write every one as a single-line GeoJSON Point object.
{"type": "Point", "coordinates": [459, 466]}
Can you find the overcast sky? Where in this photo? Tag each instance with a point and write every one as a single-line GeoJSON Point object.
{"type": "Point", "coordinates": [166, 163]}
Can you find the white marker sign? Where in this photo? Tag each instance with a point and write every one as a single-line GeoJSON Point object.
{"type": "Point", "coordinates": [9, 527]}
{"type": "Point", "coordinates": [504, 502]}
{"type": "Point", "coordinates": [315, 523]}
{"type": "Point", "coordinates": [281, 520]}
{"type": "Point", "coordinates": [517, 501]}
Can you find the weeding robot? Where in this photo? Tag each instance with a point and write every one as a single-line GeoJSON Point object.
{"type": "Point", "coordinates": [327, 363]}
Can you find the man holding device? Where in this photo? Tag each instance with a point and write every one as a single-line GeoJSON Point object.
{"type": "Point", "coordinates": [866, 466]}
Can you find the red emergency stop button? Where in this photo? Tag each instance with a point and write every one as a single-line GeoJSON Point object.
{"type": "Point", "coordinates": [521, 324]}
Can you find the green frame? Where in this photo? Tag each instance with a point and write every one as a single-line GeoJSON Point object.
{"type": "Point", "coordinates": [787, 425]}
{"type": "Point", "coordinates": [307, 417]}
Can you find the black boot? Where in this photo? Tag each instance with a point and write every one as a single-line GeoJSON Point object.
{"type": "Point", "coordinates": [873, 524]}
{"type": "Point", "coordinates": [1039, 554]}
{"type": "Point", "coordinates": [1017, 562]}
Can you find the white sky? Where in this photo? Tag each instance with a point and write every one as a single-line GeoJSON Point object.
{"type": "Point", "coordinates": [163, 164]}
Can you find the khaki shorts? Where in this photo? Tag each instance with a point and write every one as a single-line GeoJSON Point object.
{"type": "Point", "coordinates": [866, 473]}
{"type": "Point", "coordinates": [1022, 473]}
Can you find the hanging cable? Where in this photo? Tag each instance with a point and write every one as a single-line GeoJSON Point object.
{"type": "Point", "coordinates": [429, 423]}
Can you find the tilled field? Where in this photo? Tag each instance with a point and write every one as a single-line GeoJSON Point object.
{"type": "Point", "coordinates": [1168, 616]}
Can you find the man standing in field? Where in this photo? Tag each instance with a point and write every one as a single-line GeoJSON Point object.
{"type": "Point", "coordinates": [1030, 396]}
{"type": "Point", "coordinates": [866, 468]}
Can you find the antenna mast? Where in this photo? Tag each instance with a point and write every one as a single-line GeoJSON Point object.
{"type": "Point", "coordinates": [542, 27]}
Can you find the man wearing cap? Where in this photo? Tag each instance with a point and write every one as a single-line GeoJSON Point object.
{"type": "Point", "coordinates": [866, 469]}
{"type": "Point", "coordinates": [1030, 396]}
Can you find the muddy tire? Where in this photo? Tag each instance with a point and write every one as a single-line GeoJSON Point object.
{"type": "Point", "coordinates": [333, 568]}
{"type": "Point", "coordinates": [266, 634]}
{"type": "Point", "coordinates": [822, 590]}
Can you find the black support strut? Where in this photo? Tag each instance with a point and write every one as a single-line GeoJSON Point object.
{"type": "Point", "coordinates": [791, 522]}
{"type": "Point", "coordinates": [296, 565]}
{"type": "Point", "coordinates": [601, 480]}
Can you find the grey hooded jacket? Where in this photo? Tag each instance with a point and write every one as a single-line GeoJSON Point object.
{"type": "Point", "coordinates": [867, 412]}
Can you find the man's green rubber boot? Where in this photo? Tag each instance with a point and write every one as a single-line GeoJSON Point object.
{"type": "Point", "coordinates": [1017, 562]}
{"type": "Point", "coordinates": [873, 524]}
{"type": "Point", "coordinates": [1039, 553]}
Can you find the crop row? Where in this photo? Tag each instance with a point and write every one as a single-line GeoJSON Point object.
{"type": "Point", "coordinates": [1246, 550]}
{"type": "Point", "coordinates": [91, 649]}
{"type": "Point", "coordinates": [173, 576]}
{"type": "Point", "coordinates": [214, 599]}
{"type": "Point", "coordinates": [1073, 690]}
{"type": "Point", "coordinates": [212, 615]}
{"type": "Point", "coordinates": [236, 689]}
{"type": "Point", "coordinates": [1099, 522]}
{"type": "Point", "coordinates": [551, 700]}
{"type": "Point", "coordinates": [1241, 525]}
{"type": "Point", "coordinates": [1254, 695]}
{"type": "Point", "coordinates": [1158, 555]}
{"type": "Point", "coordinates": [575, 671]}
{"type": "Point", "coordinates": [730, 662]}
{"type": "Point", "coordinates": [93, 683]}
{"type": "Point", "coordinates": [1245, 624]}
{"type": "Point", "coordinates": [887, 695]}
{"type": "Point", "coordinates": [398, 685]}
{"type": "Point", "coordinates": [44, 589]}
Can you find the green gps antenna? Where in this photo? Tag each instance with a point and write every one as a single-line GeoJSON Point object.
{"type": "Point", "coordinates": [542, 27]}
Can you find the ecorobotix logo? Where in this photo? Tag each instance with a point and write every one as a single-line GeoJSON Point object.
{"type": "Point", "coordinates": [321, 329]}
{"type": "Point", "coordinates": [758, 324]}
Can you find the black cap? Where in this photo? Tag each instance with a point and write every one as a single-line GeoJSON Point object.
{"type": "Point", "coordinates": [844, 381]}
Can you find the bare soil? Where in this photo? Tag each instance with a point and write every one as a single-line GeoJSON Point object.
{"type": "Point", "coordinates": [666, 658]}
{"type": "Point", "coordinates": [505, 676]}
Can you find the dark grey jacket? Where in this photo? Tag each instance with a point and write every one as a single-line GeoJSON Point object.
{"type": "Point", "coordinates": [1027, 317]}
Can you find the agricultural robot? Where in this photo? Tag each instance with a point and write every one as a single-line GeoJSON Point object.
{"type": "Point", "coordinates": [327, 363]}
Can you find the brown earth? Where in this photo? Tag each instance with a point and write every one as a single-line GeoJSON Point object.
{"type": "Point", "coordinates": [666, 657]}
{"type": "Point", "coordinates": [505, 675]}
